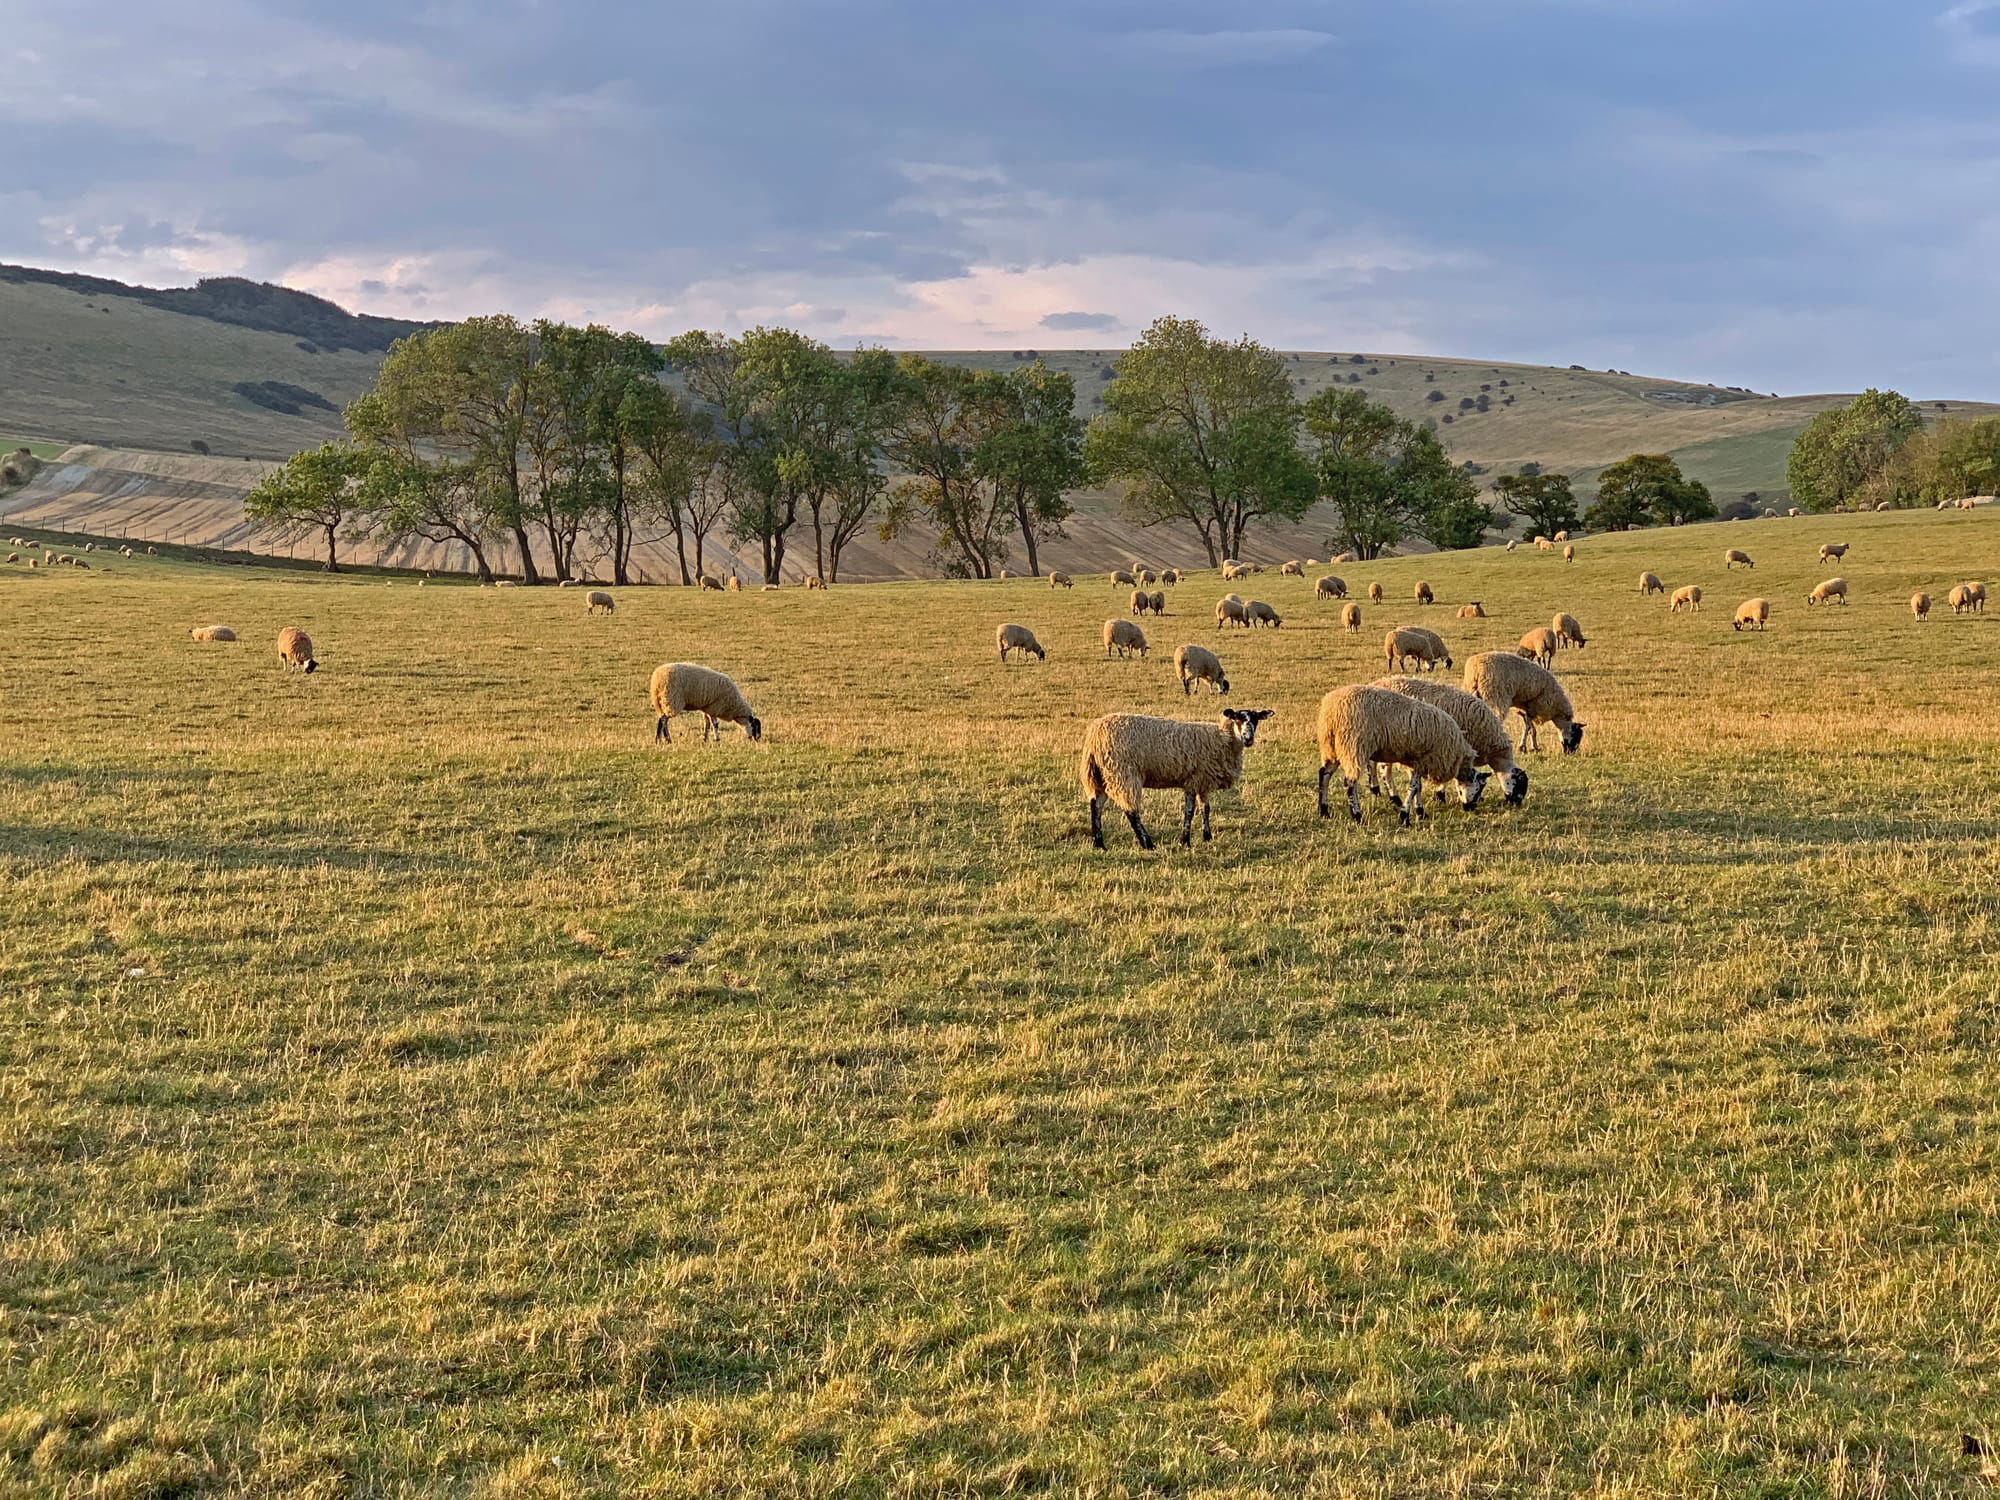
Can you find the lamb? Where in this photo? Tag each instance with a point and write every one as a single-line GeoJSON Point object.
{"type": "Point", "coordinates": [682, 687]}
{"type": "Point", "coordinates": [1360, 726]}
{"type": "Point", "coordinates": [1482, 730]}
{"type": "Point", "coordinates": [1568, 632]}
{"type": "Point", "coordinates": [1473, 611]}
{"type": "Point", "coordinates": [1350, 615]}
{"type": "Point", "coordinates": [1060, 581]}
{"type": "Point", "coordinates": [1540, 645]}
{"type": "Point", "coordinates": [1422, 593]}
{"type": "Point", "coordinates": [212, 633]}
{"type": "Point", "coordinates": [1374, 593]}
{"type": "Point", "coordinates": [1123, 754]}
{"type": "Point", "coordinates": [1123, 637]}
{"type": "Point", "coordinates": [1424, 645]}
{"type": "Point", "coordinates": [1569, 554]}
{"type": "Point", "coordinates": [1920, 605]}
{"type": "Point", "coordinates": [597, 599]}
{"type": "Point", "coordinates": [1649, 583]}
{"type": "Point", "coordinates": [1827, 592]}
{"type": "Point", "coordinates": [1733, 556]}
{"type": "Point", "coordinates": [711, 583]}
{"type": "Point", "coordinates": [1020, 638]}
{"type": "Point", "coordinates": [295, 649]}
{"type": "Point", "coordinates": [1688, 597]}
{"type": "Point", "coordinates": [1124, 576]}
{"type": "Point", "coordinates": [1257, 612]}
{"type": "Point", "coordinates": [1330, 587]}
{"type": "Point", "coordinates": [1292, 569]}
{"type": "Point", "coordinates": [1199, 664]}
{"type": "Point", "coordinates": [1833, 551]}
{"type": "Point", "coordinates": [1230, 609]}
{"type": "Point", "coordinates": [1751, 614]}
{"type": "Point", "coordinates": [1506, 682]}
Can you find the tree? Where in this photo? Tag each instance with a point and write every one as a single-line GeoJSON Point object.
{"type": "Point", "coordinates": [1841, 450]}
{"type": "Point", "coordinates": [742, 476]}
{"type": "Point", "coordinates": [1544, 501]}
{"type": "Point", "coordinates": [432, 500]}
{"type": "Point", "coordinates": [598, 385]}
{"type": "Point", "coordinates": [1946, 462]}
{"type": "Point", "coordinates": [1202, 431]}
{"type": "Point", "coordinates": [317, 490]}
{"type": "Point", "coordinates": [1647, 488]}
{"type": "Point", "coordinates": [673, 449]}
{"type": "Point", "coordinates": [1440, 499]}
{"type": "Point", "coordinates": [1354, 443]}
{"type": "Point", "coordinates": [1034, 456]}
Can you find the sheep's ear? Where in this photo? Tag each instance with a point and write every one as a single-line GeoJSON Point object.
{"type": "Point", "coordinates": [1235, 714]}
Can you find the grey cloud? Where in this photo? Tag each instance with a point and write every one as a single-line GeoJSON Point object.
{"type": "Point", "coordinates": [1082, 322]}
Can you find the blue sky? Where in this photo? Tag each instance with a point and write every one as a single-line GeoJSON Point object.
{"type": "Point", "coordinates": [1794, 195]}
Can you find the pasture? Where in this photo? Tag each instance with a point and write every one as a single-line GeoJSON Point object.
{"type": "Point", "coordinates": [415, 1081]}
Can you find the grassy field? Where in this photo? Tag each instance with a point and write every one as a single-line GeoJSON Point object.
{"type": "Point", "coordinates": [413, 1081]}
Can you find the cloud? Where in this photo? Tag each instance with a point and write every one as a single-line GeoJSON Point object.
{"type": "Point", "coordinates": [1082, 322]}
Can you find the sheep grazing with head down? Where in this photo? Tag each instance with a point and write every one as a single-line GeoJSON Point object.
{"type": "Point", "coordinates": [1141, 601]}
{"type": "Point", "coordinates": [1199, 664]}
{"type": "Point", "coordinates": [1752, 614]}
{"type": "Point", "coordinates": [1540, 645]}
{"type": "Point", "coordinates": [1374, 593]}
{"type": "Point", "coordinates": [1060, 581]}
{"type": "Point", "coordinates": [1292, 569]}
{"type": "Point", "coordinates": [1649, 583]}
{"type": "Point", "coordinates": [1734, 556]}
{"type": "Point", "coordinates": [1512, 543]}
{"type": "Point", "coordinates": [1350, 615]}
{"type": "Point", "coordinates": [1688, 597]}
{"type": "Point", "coordinates": [1330, 587]}
{"type": "Point", "coordinates": [1360, 727]}
{"type": "Point", "coordinates": [597, 599]}
{"type": "Point", "coordinates": [1171, 576]}
{"type": "Point", "coordinates": [682, 687]}
{"type": "Point", "coordinates": [1920, 605]}
{"type": "Point", "coordinates": [1568, 632]}
{"type": "Point", "coordinates": [1569, 552]}
{"type": "Point", "coordinates": [295, 649]}
{"type": "Point", "coordinates": [1833, 551]}
{"type": "Point", "coordinates": [1422, 593]}
{"type": "Point", "coordinates": [1828, 591]}
{"type": "Point", "coordinates": [1020, 638]}
{"type": "Point", "coordinates": [1257, 612]}
{"type": "Point", "coordinates": [1145, 575]}
{"type": "Point", "coordinates": [1124, 576]}
{"type": "Point", "coordinates": [1562, 536]}
{"type": "Point", "coordinates": [1425, 647]}
{"type": "Point", "coordinates": [1125, 754]}
{"type": "Point", "coordinates": [1508, 683]}
{"type": "Point", "coordinates": [1230, 610]}
{"type": "Point", "coordinates": [710, 583]}
{"type": "Point", "coordinates": [814, 581]}
{"type": "Point", "coordinates": [1482, 730]}
{"type": "Point", "coordinates": [1123, 637]}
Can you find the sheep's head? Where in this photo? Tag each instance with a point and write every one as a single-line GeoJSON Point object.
{"type": "Point", "coordinates": [754, 727]}
{"type": "Point", "coordinates": [1243, 722]}
{"type": "Point", "coordinates": [1572, 737]}
{"type": "Point", "coordinates": [1515, 785]}
{"type": "Point", "coordinates": [1471, 785]}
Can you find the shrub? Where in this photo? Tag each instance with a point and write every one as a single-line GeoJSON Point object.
{"type": "Point", "coordinates": [1465, 403]}
{"type": "Point", "coordinates": [197, 445]}
{"type": "Point", "coordinates": [1435, 395]}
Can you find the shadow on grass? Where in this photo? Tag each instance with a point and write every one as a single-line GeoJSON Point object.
{"type": "Point", "coordinates": [97, 846]}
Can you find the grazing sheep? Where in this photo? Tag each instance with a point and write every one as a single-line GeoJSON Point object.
{"type": "Point", "coordinates": [1966, 596]}
{"type": "Point", "coordinates": [295, 649]}
{"type": "Point", "coordinates": [1511, 545]}
{"type": "Point", "coordinates": [1422, 593]}
{"type": "Point", "coordinates": [1330, 587]}
{"type": "Point", "coordinates": [1257, 612]}
{"type": "Point", "coordinates": [1293, 569]}
{"type": "Point", "coordinates": [1751, 614]}
{"type": "Point", "coordinates": [1920, 605]}
{"type": "Point", "coordinates": [1345, 557]}
{"type": "Point", "coordinates": [1827, 592]}
{"type": "Point", "coordinates": [13, 557]}
{"type": "Point", "coordinates": [1562, 536]}
{"type": "Point", "coordinates": [1881, 505]}
{"type": "Point", "coordinates": [1171, 575]}
{"type": "Point", "coordinates": [152, 551]}
{"type": "Point", "coordinates": [814, 581]}
{"type": "Point", "coordinates": [1793, 511]}
{"type": "Point", "coordinates": [1060, 581]}
{"type": "Point", "coordinates": [711, 583]}
{"type": "Point", "coordinates": [1374, 593]}
{"type": "Point", "coordinates": [1569, 554]}
{"type": "Point", "coordinates": [1543, 544]}
{"type": "Point", "coordinates": [1833, 551]}
{"type": "Point", "coordinates": [1977, 593]}
{"type": "Point", "coordinates": [682, 687]}
{"type": "Point", "coordinates": [735, 584]}
{"type": "Point", "coordinates": [597, 599]}
{"type": "Point", "coordinates": [1141, 602]}
{"type": "Point", "coordinates": [1507, 683]}
{"type": "Point", "coordinates": [1732, 557]}
{"type": "Point", "coordinates": [1649, 583]}
{"type": "Point", "coordinates": [1123, 637]}
{"type": "Point", "coordinates": [1687, 596]}
{"type": "Point", "coordinates": [1350, 615]}
{"type": "Point", "coordinates": [1359, 727]}
{"type": "Point", "coordinates": [1124, 754]}
{"type": "Point", "coordinates": [1146, 575]}
{"type": "Point", "coordinates": [1481, 728]}
{"type": "Point", "coordinates": [1540, 645]}
{"type": "Point", "coordinates": [212, 633]}
{"type": "Point", "coordinates": [1124, 576]}
{"type": "Point", "coordinates": [1199, 664]}
{"type": "Point", "coordinates": [1568, 632]}
{"type": "Point", "coordinates": [1159, 601]}
{"type": "Point", "coordinates": [1473, 611]}
{"type": "Point", "coordinates": [1424, 646]}
{"type": "Point", "coordinates": [1230, 609]}
{"type": "Point", "coordinates": [1020, 638]}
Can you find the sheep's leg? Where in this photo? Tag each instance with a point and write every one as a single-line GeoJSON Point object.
{"type": "Point", "coordinates": [1187, 819]}
{"type": "Point", "coordinates": [1097, 820]}
{"type": "Point", "coordinates": [1139, 830]}
{"type": "Point", "coordinates": [1207, 827]}
{"type": "Point", "coordinates": [660, 730]}
{"type": "Point", "coordinates": [1187, 687]}
{"type": "Point", "coordinates": [1354, 800]}
{"type": "Point", "coordinates": [1414, 807]}
{"type": "Point", "coordinates": [1325, 775]}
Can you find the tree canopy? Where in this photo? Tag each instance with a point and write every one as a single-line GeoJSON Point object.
{"type": "Point", "coordinates": [1545, 501]}
{"type": "Point", "coordinates": [1647, 489]}
{"type": "Point", "coordinates": [1841, 450]}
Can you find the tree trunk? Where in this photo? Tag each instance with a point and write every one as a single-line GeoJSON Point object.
{"type": "Point", "coordinates": [529, 575]}
{"type": "Point", "coordinates": [680, 553]}
{"type": "Point", "coordinates": [819, 545]}
{"type": "Point", "coordinates": [1028, 537]}
{"type": "Point", "coordinates": [332, 561]}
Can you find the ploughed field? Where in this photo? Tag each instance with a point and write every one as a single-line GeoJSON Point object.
{"type": "Point", "coordinates": [413, 1080]}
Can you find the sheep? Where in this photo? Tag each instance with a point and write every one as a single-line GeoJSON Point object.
{"type": "Point", "coordinates": [1562, 536]}
{"type": "Point", "coordinates": [1232, 571]}
{"type": "Point", "coordinates": [1833, 551]}
{"type": "Point", "coordinates": [597, 599]}
{"type": "Point", "coordinates": [1512, 544]}
{"type": "Point", "coordinates": [1688, 597]}
{"type": "Point", "coordinates": [1171, 576]}
{"type": "Point", "coordinates": [1020, 638]}
{"type": "Point", "coordinates": [1350, 615]}
{"type": "Point", "coordinates": [1569, 554]}
{"type": "Point", "coordinates": [1374, 593]}
{"type": "Point", "coordinates": [682, 687]}
{"type": "Point", "coordinates": [1360, 726]}
{"type": "Point", "coordinates": [1292, 569]}
{"type": "Point", "coordinates": [1507, 683]}
{"type": "Point", "coordinates": [1146, 575]}
{"type": "Point", "coordinates": [1649, 583]}
{"type": "Point", "coordinates": [1568, 632]}
{"type": "Point", "coordinates": [1123, 637]}
{"type": "Point", "coordinates": [1330, 587]}
{"type": "Point", "coordinates": [1141, 601]}
{"type": "Point", "coordinates": [13, 557]}
{"type": "Point", "coordinates": [1345, 557]}
{"type": "Point", "coordinates": [735, 584]}
{"type": "Point", "coordinates": [1158, 600]}
{"type": "Point", "coordinates": [1229, 609]}
{"type": "Point", "coordinates": [1881, 505]}
{"type": "Point", "coordinates": [1123, 754]}
{"type": "Point", "coordinates": [1473, 611]}
{"type": "Point", "coordinates": [1966, 596]}
{"type": "Point", "coordinates": [295, 649]}
{"type": "Point", "coordinates": [1828, 591]}
{"type": "Point", "coordinates": [1424, 645]}
{"type": "Point", "coordinates": [1257, 612]}
{"type": "Point", "coordinates": [1478, 723]}
{"type": "Point", "coordinates": [1976, 592]}
{"type": "Point", "coordinates": [1422, 593]}
{"type": "Point", "coordinates": [1733, 556]}
{"type": "Point", "coordinates": [1793, 511]}
{"type": "Point", "coordinates": [1540, 645]}
{"type": "Point", "coordinates": [1124, 576]}
{"type": "Point", "coordinates": [212, 633]}
{"type": "Point", "coordinates": [1199, 664]}
{"type": "Point", "coordinates": [1920, 605]}
{"type": "Point", "coordinates": [1543, 544]}
{"type": "Point", "coordinates": [814, 581]}
{"type": "Point", "coordinates": [1061, 581]}
{"type": "Point", "coordinates": [711, 583]}
{"type": "Point", "coordinates": [1751, 614]}
{"type": "Point", "coordinates": [152, 551]}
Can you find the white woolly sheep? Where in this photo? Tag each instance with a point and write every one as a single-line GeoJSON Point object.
{"type": "Point", "coordinates": [1124, 576]}
{"type": "Point", "coordinates": [1141, 601]}
{"type": "Point", "coordinates": [1345, 557]}
{"type": "Point", "coordinates": [1171, 575]}
{"type": "Point", "coordinates": [1422, 593]}
{"type": "Point", "coordinates": [1961, 598]}
{"type": "Point", "coordinates": [1649, 583]}
{"type": "Point", "coordinates": [1229, 609]}
{"type": "Point", "coordinates": [1125, 754]}
{"type": "Point", "coordinates": [597, 599]}
{"type": "Point", "coordinates": [1751, 614]}
{"type": "Point", "coordinates": [1828, 591]}
{"type": "Point", "coordinates": [1199, 664]}
{"type": "Point", "coordinates": [1020, 638]}
{"type": "Point", "coordinates": [1330, 587]}
{"type": "Point", "coordinates": [13, 557]}
{"type": "Point", "coordinates": [1123, 637]}
{"type": "Point", "coordinates": [1920, 605]}
{"type": "Point", "coordinates": [1158, 600]}
{"type": "Point", "coordinates": [1359, 727]}
{"type": "Point", "coordinates": [1146, 575]}
{"type": "Point", "coordinates": [1350, 615]}
{"type": "Point", "coordinates": [1512, 544]}
{"type": "Point", "coordinates": [1569, 554]}
{"type": "Point", "coordinates": [1508, 683]}
{"type": "Point", "coordinates": [1793, 511]}
{"type": "Point", "coordinates": [1488, 737]}
{"type": "Point", "coordinates": [1060, 581]}
{"type": "Point", "coordinates": [1687, 596]}
{"type": "Point", "coordinates": [1562, 536]}
{"type": "Point", "coordinates": [295, 649]}
{"type": "Point", "coordinates": [711, 583]}
{"type": "Point", "coordinates": [1257, 612]}
{"type": "Point", "coordinates": [212, 633]}
{"type": "Point", "coordinates": [1833, 551]}
{"type": "Point", "coordinates": [735, 584]}
{"type": "Point", "coordinates": [814, 581]}
{"type": "Point", "coordinates": [1733, 556]}
{"type": "Point", "coordinates": [1543, 544]}
{"type": "Point", "coordinates": [1292, 569]}
{"type": "Point", "coordinates": [1374, 593]}
{"type": "Point", "coordinates": [1473, 611]}
{"type": "Point", "coordinates": [1568, 632]}
{"type": "Point", "coordinates": [1540, 645]}
{"type": "Point", "coordinates": [1411, 643]}
{"type": "Point", "coordinates": [682, 687]}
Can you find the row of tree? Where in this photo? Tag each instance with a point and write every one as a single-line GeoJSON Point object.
{"type": "Point", "coordinates": [1876, 450]}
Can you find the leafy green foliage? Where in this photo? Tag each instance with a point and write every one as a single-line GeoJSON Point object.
{"type": "Point", "coordinates": [1843, 449]}
{"type": "Point", "coordinates": [1647, 489]}
{"type": "Point", "coordinates": [1545, 501]}
{"type": "Point", "coordinates": [1946, 462]}
{"type": "Point", "coordinates": [1385, 477]}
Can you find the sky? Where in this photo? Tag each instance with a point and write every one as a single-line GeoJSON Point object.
{"type": "Point", "coordinates": [1790, 195]}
